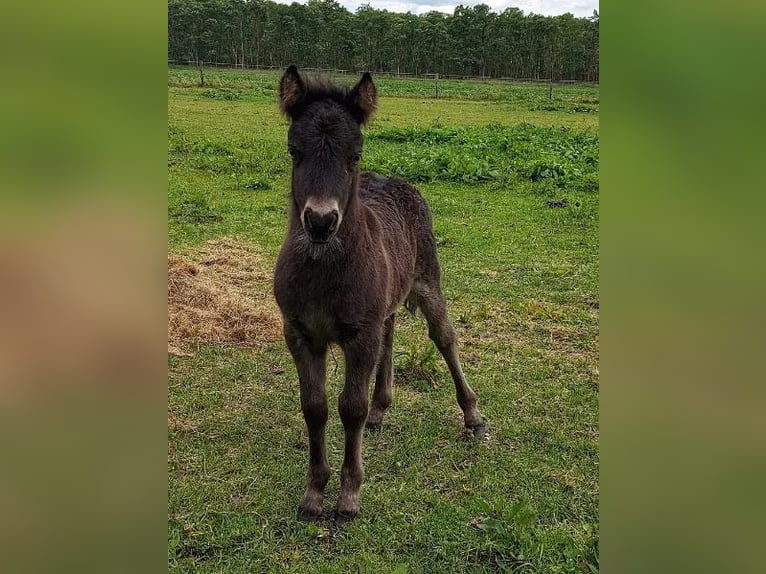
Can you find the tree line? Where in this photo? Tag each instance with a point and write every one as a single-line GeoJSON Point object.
{"type": "Point", "coordinates": [473, 41]}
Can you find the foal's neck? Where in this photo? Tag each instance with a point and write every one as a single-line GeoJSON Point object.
{"type": "Point", "coordinates": [354, 225]}
{"type": "Point", "coordinates": [354, 211]}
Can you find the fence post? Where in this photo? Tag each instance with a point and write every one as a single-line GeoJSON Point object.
{"type": "Point", "coordinates": [201, 74]}
{"type": "Point", "coordinates": [436, 84]}
{"type": "Point", "coordinates": [550, 89]}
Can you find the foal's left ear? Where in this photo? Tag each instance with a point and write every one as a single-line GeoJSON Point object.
{"type": "Point", "coordinates": [364, 97]}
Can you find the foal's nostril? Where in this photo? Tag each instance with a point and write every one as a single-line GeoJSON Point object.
{"type": "Point", "coordinates": [307, 218]}
{"type": "Point", "coordinates": [320, 225]}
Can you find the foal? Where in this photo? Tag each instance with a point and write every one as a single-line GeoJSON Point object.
{"type": "Point", "coordinates": [358, 245]}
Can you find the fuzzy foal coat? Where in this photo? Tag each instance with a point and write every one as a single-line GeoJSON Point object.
{"type": "Point", "coordinates": [387, 239]}
{"type": "Point", "coordinates": [342, 272]}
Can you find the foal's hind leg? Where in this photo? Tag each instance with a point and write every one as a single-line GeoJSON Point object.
{"type": "Point", "coordinates": [382, 395]}
{"type": "Point", "coordinates": [432, 304]}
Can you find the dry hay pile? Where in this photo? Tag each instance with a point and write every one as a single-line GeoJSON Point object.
{"type": "Point", "coordinates": [220, 294]}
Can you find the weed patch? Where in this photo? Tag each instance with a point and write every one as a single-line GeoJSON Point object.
{"type": "Point", "coordinates": [511, 540]}
{"type": "Point", "coordinates": [562, 106]}
{"type": "Point", "coordinates": [257, 185]}
{"type": "Point", "coordinates": [482, 154]}
{"type": "Point", "coordinates": [417, 367]}
{"type": "Point", "coordinates": [226, 94]}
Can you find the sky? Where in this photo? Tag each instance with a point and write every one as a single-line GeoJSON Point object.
{"type": "Point", "coordinates": [544, 7]}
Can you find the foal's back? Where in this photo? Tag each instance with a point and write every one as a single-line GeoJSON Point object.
{"type": "Point", "coordinates": [406, 222]}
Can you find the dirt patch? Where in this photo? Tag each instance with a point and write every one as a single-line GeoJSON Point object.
{"type": "Point", "coordinates": [557, 203]}
{"type": "Point", "coordinates": [220, 294]}
{"type": "Point", "coordinates": [181, 425]}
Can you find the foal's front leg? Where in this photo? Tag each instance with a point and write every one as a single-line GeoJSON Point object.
{"type": "Point", "coordinates": [361, 356]}
{"type": "Point", "coordinates": [310, 360]}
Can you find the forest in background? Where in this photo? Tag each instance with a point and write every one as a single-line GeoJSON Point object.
{"type": "Point", "coordinates": [473, 41]}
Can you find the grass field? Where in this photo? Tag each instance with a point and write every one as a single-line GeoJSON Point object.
{"type": "Point", "coordinates": [512, 179]}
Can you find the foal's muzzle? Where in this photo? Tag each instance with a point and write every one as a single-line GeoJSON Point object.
{"type": "Point", "coordinates": [320, 226]}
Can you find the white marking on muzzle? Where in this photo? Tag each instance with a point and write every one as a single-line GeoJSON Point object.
{"type": "Point", "coordinates": [322, 206]}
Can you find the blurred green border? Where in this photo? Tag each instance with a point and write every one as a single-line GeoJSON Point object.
{"type": "Point", "coordinates": [83, 137]}
{"type": "Point", "coordinates": [682, 265]}
{"type": "Point", "coordinates": [682, 157]}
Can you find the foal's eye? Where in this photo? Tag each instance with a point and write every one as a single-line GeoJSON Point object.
{"type": "Point", "coordinates": [293, 151]}
{"type": "Point", "coordinates": [356, 157]}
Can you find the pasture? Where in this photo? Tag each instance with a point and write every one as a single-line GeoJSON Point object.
{"type": "Point", "coordinates": [511, 177]}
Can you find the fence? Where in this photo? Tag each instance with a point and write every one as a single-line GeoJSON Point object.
{"type": "Point", "coordinates": [424, 76]}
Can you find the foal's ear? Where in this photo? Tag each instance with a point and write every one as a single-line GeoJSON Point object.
{"type": "Point", "coordinates": [291, 89]}
{"type": "Point", "coordinates": [364, 97]}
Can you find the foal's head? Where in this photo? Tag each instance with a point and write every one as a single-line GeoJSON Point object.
{"type": "Point", "coordinates": [325, 142]}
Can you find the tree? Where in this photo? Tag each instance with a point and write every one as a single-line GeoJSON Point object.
{"type": "Point", "coordinates": [323, 34]}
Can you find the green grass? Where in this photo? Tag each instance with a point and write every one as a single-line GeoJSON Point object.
{"type": "Point", "coordinates": [521, 280]}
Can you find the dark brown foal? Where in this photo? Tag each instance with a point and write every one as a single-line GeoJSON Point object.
{"type": "Point", "coordinates": [358, 245]}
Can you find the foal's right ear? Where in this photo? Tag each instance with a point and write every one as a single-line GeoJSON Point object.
{"type": "Point", "coordinates": [291, 89]}
{"type": "Point", "coordinates": [364, 97]}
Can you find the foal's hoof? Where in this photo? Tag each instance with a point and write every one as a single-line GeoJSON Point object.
{"type": "Point", "coordinates": [309, 512]}
{"type": "Point", "coordinates": [305, 515]}
{"type": "Point", "coordinates": [477, 430]}
{"type": "Point", "coordinates": [373, 426]}
{"type": "Point", "coordinates": [344, 516]}
{"type": "Point", "coordinates": [348, 507]}
{"type": "Point", "coordinates": [375, 418]}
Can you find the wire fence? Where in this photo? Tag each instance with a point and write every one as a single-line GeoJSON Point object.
{"type": "Point", "coordinates": [382, 74]}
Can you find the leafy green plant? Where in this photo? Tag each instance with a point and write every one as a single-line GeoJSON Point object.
{"type": "Point", "coordinates": [223, 94]}
{"type": "Point", "coordinates": [546, 170]}
{"type": "Point", "coordinates": [257, 184]}
{"type": "Point", "coordinates": [417, 366]}
{"type": "Point", "coordinates": [509, 531]}
{"type": "Point", "coordinates": [484, 154]}
{"type": "Point", "coordinates": [211, 147]}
